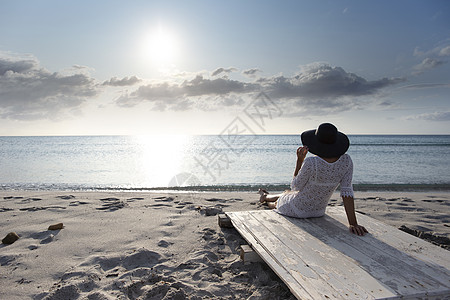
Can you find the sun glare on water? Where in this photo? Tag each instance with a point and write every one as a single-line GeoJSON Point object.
{"type": "Point", "coordinates": [161, 158]}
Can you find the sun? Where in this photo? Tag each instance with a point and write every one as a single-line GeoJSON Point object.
{"type": "Point", "coordinates": [160, 46]}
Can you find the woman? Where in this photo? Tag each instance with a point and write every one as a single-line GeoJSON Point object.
{"type": "Point", "coordinates": [317, 177]}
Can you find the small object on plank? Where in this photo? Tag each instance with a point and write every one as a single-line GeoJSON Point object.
{"type": "Point", "coordinates": [224, 221]}
{"type": "Point", "coordinates": [249, 255]}
{"type": "Point", "coordinates": [56, 226]}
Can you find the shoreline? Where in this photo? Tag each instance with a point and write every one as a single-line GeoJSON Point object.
{"type": "Point", "coordinates": [123, 244]}
{"type": "Point", "coordinates": [358, 187]}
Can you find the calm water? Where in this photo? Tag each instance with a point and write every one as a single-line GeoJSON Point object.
{"type": "Point", "coordinates": [129, 162]}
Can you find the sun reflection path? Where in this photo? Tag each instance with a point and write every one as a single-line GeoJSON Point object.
{"type": "Point", "coordinates": [161, 158]}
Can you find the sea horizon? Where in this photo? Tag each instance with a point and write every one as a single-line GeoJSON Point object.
{"type": "Point", "coordinates": [211, 162]}
{"type": "Point", "coordinates": [212, 134]}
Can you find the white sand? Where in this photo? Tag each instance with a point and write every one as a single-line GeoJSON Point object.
{"type": "Point", "coordinates": [130, 245]}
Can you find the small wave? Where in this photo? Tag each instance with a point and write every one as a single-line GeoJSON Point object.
{"type": "Point", "coordinates": [402, 187]}
{"type": "Point", "coordinates": [401, 144]}
{"type": "Point", "coordinates": [221, 188]}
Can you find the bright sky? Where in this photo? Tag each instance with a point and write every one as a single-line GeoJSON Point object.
{"type": "Point", "coordinates": [206, 67]}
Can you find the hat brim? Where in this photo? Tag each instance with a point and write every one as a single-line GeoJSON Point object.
{"type": "Point", "coordinates": [336, 149]}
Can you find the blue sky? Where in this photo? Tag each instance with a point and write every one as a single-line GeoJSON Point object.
{"type": "Point", "coordinates": [193, 67]}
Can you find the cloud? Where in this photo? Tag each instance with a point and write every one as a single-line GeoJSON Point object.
{"type": "Point", "coordinates": [443, 116]}
{"type": "Point", "coordinates": [166, 94]}
{"type": "Point", "coordinates": [317, 88]}
{"type": "Point", "coordinates": [442, 50]}
{"type": "Point", "coordinates": [426, 86]}
{"type": "Point", "coordinates": [322, 81]}
{"type": "Point", "coordinates": [221, 86]}
{"type": "Point", "coordinates": [16, 66]}
{"type": "Point", "coordinates": [431, 59]}
{"type": "Point", "coordinates": [320, 89]}
{"type": "Point", "coordinates": [223, 70]}
{"type": "Point", "coordinates": [126, 81]}
{"type": "Point", "coordinates": [445, 51]}
{"type": "Point", "coordinates": [79, 67]}
{"type": "Point", "coordinates": [251, 72]}
{"type": "Point", "coordinates": [28, 91]}
{"type": "Point", "coordinates": [428, 64]}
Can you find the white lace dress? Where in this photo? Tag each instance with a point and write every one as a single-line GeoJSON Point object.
{"type": "Point", "coordinates": [312, 188]}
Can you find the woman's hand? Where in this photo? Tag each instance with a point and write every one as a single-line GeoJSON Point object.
{"type": "Point", "coordinates": [301, 153]}
{"type": "Point", "coordinates": [357, 229]}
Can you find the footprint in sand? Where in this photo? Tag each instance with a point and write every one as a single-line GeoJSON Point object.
{"type": "Point", "coordinates": [188, 265]}
{"type": "Point", "coordinates": [440, 218]}
{"type": "Point", "coordinates": [407, 200]}
{"type": "Point", "coordinates": [170, 223]}
{"type": "Point", "coordinates": [134, 199]}
{"type": "Point", "coordinates": [6, 260]}
{"type": "Point", "coordinates": [440, 201]}
{"type": "Point", "coordinates": [393, 199]}
{"type": "Point", "coordinates": [109, 199]}
{"type": "Point", "coordinates": [65, 292]}
{"type": "Point", "coordinates": [30, 200]}
{"type": "Point", "coordinates": [402, 204]}
{"type": "Point", "coordinates": [210, 210]}
{"type": "Point", "coordinates": [374, 198]}
{"type": "Point", "coordinates": [208, 234]}
{"type": "Point", "coordinates": [77, 203]}
{"type": "Point", "coordinates": [165, 199]}
{"type": "Point", "coordinates": [158, 205]}
{"type": "Point", "coordinates": [164, 244]}
{"type": "Point", "coordinates": [223, 200]}
{"type": "Point", "coordinates": [66, 197]}
{"type": "Point", "coordinates": [183, 204]}
{"type": "Point", "coordinates": [165, 233]}
{"type": "Point", "coordinates": [111, 204]}
{"type": "Point", "coordinates": [34, 208]}
{"type": "Point", "coordinates": [48, 239]}
{"type": "Point", "coordinates": [216, 200]}
{"type": "Point", "coordinates": [45, 237]}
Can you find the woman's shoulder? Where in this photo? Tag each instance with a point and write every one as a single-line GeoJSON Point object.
{"type": "Point", "coordinates": [309, 161]}
{"type": "Point", "coordinates": [346, 159]}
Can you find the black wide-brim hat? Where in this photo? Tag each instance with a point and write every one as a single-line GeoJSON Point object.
{"type": "Point", "coordinates": [326, 141]}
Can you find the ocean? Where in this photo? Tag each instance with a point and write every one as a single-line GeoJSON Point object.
{"type": "Point", "coordinates": [215, 162]}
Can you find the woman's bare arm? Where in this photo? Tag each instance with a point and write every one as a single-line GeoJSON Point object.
{"type": "Point", "coordinates": [349, 205]}
{"type": "Point", "coordinates": [301, 154]}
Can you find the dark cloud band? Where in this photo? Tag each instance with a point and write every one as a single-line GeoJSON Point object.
{"type": "Point", "coordinates": [28, 91]}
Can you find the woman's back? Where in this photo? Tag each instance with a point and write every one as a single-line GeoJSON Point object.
{"type": "Point", "coordinates": [332, 172]}
{"type": "Point", "coordinates": [314, 185]}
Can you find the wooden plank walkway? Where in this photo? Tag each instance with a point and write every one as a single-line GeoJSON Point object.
{"type": "Point", "coordinates": [318, 258]}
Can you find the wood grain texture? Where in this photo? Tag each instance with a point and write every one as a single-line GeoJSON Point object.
{"type": "Point", "coordinates": [318, 258]}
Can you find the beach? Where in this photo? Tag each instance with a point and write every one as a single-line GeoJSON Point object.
{"type": "Point", "coordinates": [163, 245]}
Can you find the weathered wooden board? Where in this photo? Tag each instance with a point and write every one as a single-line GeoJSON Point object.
{"type": "Point", "coordinates": [318, 258]}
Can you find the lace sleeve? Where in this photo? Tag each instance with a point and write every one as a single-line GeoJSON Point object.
{"type": "Point", "coordinates": [346, 181]}
{"type": "Point", "coordinates": [303, 176]}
